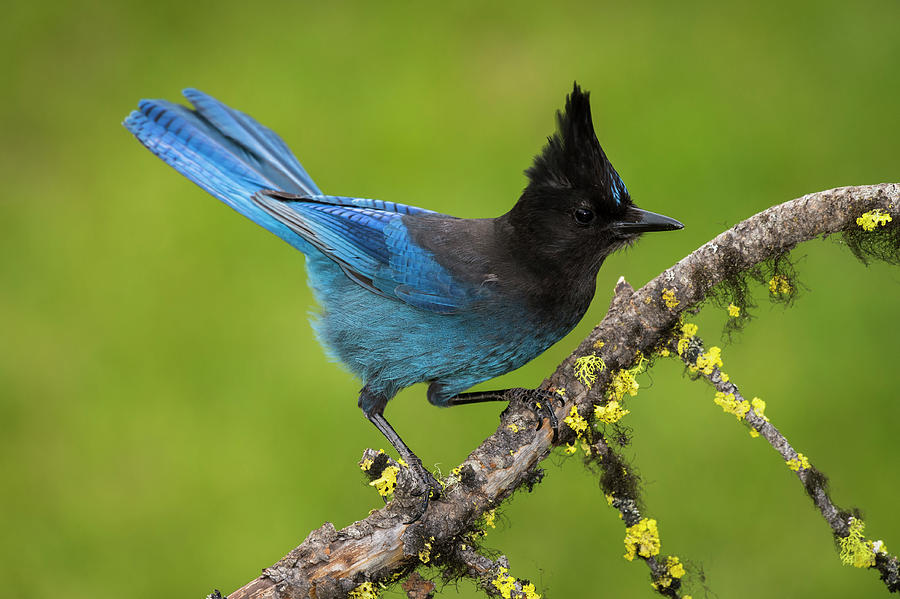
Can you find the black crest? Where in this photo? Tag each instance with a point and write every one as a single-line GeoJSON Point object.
{"type": "Point", "coordinates": [573, 157]}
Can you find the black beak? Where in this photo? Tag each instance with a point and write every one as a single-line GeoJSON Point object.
{"type": "Point", "coordinates": [647, 221]}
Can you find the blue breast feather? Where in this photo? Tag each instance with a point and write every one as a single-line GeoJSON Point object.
{"type": "Point", "coordinates": [392, 345]}
{"type": "Point", "coordinates": [390, 312]}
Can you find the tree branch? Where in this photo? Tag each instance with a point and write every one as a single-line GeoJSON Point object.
{"type": "Point", "coordinates": [331, 563]}
{"type": "Point", "coordinates": [861, 553]}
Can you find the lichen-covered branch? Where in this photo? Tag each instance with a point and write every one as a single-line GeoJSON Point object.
{"type": "Point", "coordinates": [383, 547]}
{"type": "Point", "coordinates": [847, 527]}
{"type": "Point", "coordinates": [641, 533]}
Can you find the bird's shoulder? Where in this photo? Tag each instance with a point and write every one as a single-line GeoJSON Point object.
{"type": "Point", "coordinates": [487, 255]}
{"type": "Point", "coordinates": [469, 249]}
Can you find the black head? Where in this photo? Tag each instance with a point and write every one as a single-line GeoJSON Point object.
{"type": "Point", "coordinates": [576, 210]}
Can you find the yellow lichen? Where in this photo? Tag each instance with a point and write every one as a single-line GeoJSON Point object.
{"type": "Point", "coordinates": [688, 330]}
{"type": "Point", "coordinates": [759, 407]}
{"type": "Point", "coordinates": [708, 361]}
{"type": "Point", "coordinates": [734, 311]}
{"type": "Point", "coordinates": [585, 447]}
{"type": "Point", "coordinates": [732, 405]}
{"type": "Point", "coordinates": [674, 567]}
{"type": "Point", "coordinates": [504, 583]}
{"type": "Point", "coordinates": [599, 344]}
{"type": "Point", "coordinates": [856, 551]}
{"type": "Point", "coordinates": [662, 582]}
{"type": "Point", "coordinates": [610, 413]}
{"type": "Point", "coordinates": [668, 296]}
{"type": "Point", "coordinates": [779, 285]}
{"type": "Point", "coordinates": [642, 539]}
{"type": "Point", "coordinates": [490, 518]}
{"type": "Point", "coordinates": [506, 586]}
{"type": "Point", "coordinates": [425, 553]}
{"type": "Point", "coordinates": [641, 364]}
{"type": "Point", "coordinates": [795, 464]}
{"type": "Point", "coordinates": [387, 482]}
{"type": "Point", "coordinates": [364, 591]}
{"type": "Point", "coordinates": [623, 382]}
{"type": "Point", "coordinates": [570, 449]}
{"type": "Point", "coordinates": [367, 463]}
{"type": "Point", "coordinates": [513, 427]}
{"type": "Point", "coordinates": [869, 221]}
{"type": "Point", "coordinates": [586, 369]}
{"type": "Point", "coordinates": [575, 421]}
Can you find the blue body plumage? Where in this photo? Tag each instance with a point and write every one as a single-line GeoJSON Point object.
{"type": "Point", "coordinates": [408, 295]}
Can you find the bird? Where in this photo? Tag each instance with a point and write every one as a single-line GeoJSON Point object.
{"type": "Point", "coordinates": [408, 295]}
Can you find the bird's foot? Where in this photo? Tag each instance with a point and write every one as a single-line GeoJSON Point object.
{"type": "Point", "coordinates": [542, 403]}
{"type": "Point", "coordinates": [425, 486]}
{"type": "Point", "coordinates": [405, 479]}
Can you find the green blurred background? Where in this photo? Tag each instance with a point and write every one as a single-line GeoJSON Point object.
{"type": "Point", "coordinates": [168, 423]}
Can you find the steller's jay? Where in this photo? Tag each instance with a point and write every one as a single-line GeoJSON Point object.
{"type": "Point", "coordinates": [409, 295]}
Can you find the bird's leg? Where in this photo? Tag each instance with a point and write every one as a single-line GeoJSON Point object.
{"type": "Point", "coordinates": [373, 408]}
{"type": "Point", "coordinates": [471, 397]}
{"type": "Point", "coordinates": [429, 487]}
{"type": "Point", "coordinates": [539, 400]}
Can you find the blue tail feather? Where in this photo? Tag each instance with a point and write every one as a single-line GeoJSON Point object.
{"type": "Point", "coordinates": [195, 148]}
{"type": "Point", "coordinates": [268, 151]}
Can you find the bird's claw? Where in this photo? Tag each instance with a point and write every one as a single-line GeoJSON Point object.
{"type": "Point", "coordinates": [540, 402]}
{"type": "Point", "coordinates": [426, 486]}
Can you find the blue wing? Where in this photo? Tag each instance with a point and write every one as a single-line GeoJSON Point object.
{"type": "Point", "coordinates": [368, 240]}
{"type": "Point", "coordinates": [240, 162]}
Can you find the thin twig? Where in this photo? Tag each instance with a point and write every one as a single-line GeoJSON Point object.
{"type": "Point", "coordinates": [628, 504]}
{"type": "Point", "coordinates": [814, 482]}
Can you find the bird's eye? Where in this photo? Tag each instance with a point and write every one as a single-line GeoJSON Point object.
{"type": "Point", "coordinates": [583, 216]}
